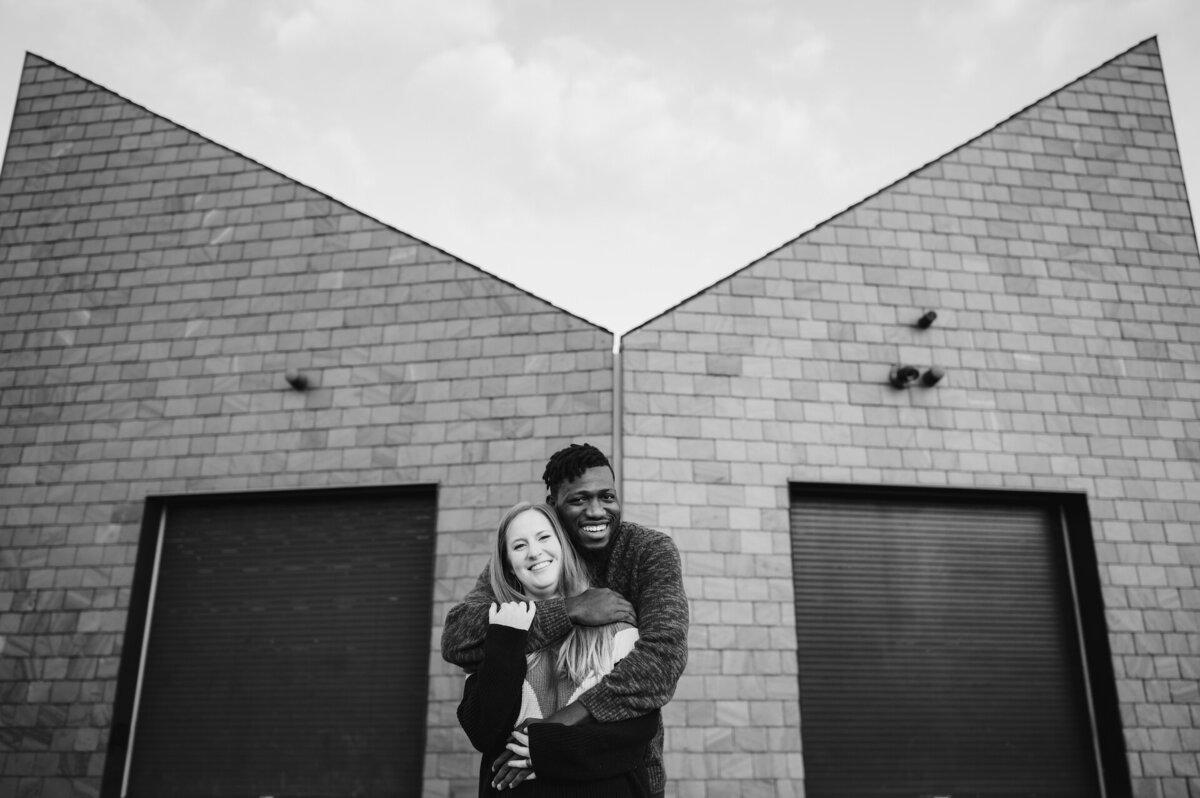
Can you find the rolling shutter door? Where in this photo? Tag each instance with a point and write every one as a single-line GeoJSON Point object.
{"type": "Point", "coordinates": [289, 647]}
{"type": "Point", "coordinates": [938, 650]}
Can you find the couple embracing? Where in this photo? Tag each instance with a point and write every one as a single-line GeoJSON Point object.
{"type": "Point", "coordinates": [573, 639]}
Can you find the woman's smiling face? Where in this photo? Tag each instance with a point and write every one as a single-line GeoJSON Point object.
{"type": "Point", "coordinates": [535, 554]}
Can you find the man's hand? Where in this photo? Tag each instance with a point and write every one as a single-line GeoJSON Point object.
{"type": "Point", "coordinates": [599, 606]}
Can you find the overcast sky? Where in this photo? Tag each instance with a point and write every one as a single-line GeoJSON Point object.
{"type": "Point", "coordinates": [613, 157]}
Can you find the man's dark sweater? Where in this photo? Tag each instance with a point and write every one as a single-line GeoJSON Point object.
{"type": "Point", "coordinates": [643, 566]}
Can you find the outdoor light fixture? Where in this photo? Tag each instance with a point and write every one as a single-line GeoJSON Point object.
{"type": "Point", "coordinates": [903, 376]}
{"type": "Point", "coordinates": [297, 380]}
{"type": "Point", "coordinates": [933, 376]}
{"type": "Point", "coordinates": [927, 320]}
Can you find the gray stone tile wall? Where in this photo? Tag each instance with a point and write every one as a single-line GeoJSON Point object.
{"type": "Point", "coordinates": [155, 288]}
{"type": "Point", "coordinates": [1059, 252]}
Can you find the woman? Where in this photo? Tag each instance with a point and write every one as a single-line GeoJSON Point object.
{"type": "Point", "coordinates": [504, 700]}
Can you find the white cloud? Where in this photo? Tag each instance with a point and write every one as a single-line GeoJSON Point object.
{"type": "Point", "coordinates": [1004, 9]}
{"type": "Point", "coordinates": [397, 29]}
{"type": "Point", "coordinates": [297, 30]}
{"type": "Point", "coordinates": [966, 68]}
{"type": "Point", "coordinates": [1055, 33]}
{"type": "Point", "coordinates": [570, 119]}
{"type": "Point", "coordinates": [805, 53]}
{"type": "Point", "coordinates": [604, 157]}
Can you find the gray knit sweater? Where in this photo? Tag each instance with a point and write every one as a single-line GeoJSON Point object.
{"type": "Point", "coordinates": [643, 566]}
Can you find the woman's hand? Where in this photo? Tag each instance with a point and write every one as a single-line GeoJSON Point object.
{"type": "Point", "coordinates": [520, 747]}
{"type": "Point", "coordinates": [514, 614]}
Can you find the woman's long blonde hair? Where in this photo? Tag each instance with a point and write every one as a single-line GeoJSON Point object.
{"type": "Point", "coordinates": [587, 650]}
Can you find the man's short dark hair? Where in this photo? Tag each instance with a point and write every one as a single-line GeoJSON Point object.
{"type": "Point", "coordinates": [570, 463]}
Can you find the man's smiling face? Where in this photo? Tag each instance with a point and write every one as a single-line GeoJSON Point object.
{"type": "Point", "coordinates": [588, 508]}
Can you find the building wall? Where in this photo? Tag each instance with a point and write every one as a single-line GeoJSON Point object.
{"type": "Point", "coordinates": [1058, 250]}
{"type": "Point", "coordinates": [155, 288]}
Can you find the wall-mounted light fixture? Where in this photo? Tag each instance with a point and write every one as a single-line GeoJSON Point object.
{"type": "Point", "coordinates": [297, 379]}
{"type": "Point", "coordinates": [933, 376]}
{"type": "Point", "coordinates": [903, 376]}
{"type": "Point", "coordinates": [926, 321]}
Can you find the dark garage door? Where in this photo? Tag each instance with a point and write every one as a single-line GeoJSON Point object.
{"type": "Point", "coordinates": [939, 653]}
{"type": "Point", "coordinates": [289, 647]}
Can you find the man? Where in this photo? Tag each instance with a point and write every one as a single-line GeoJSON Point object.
{"type": "Point", "coordinates": [634, 570]}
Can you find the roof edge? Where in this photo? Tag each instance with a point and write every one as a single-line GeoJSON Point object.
{"type": "Point", "coordinates": [29, 56]}
{"type": "Point", "coordinates": [887, 187]}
